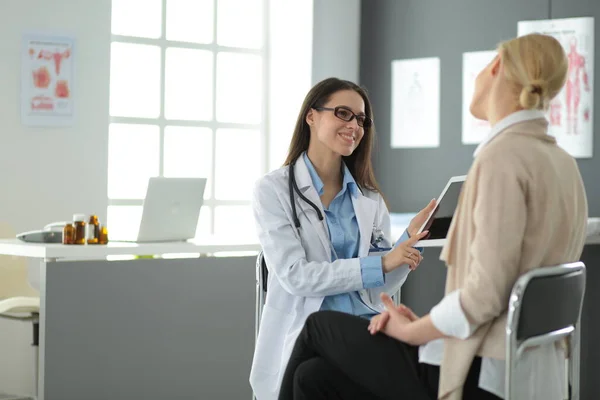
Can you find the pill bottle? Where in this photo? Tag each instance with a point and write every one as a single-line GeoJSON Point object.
{"type": "Point", "coordinates": [79, 225]}
{"type": "Point", "coordinates": [93, 230]}
{"type": "Point", "coordinates": [68, 234]}
{"type": "Point", "coordinates": [103, 239]}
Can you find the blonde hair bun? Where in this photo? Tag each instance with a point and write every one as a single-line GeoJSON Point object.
{"type": "Point", "coordinates": [536, 67]}
{"type": "Point", "coordinates": [533, 95]}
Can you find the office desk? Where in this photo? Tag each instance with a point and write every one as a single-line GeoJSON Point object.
{"type": "Point", "coordinates": [147, 328]}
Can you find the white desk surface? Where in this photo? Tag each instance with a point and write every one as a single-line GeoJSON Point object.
{"type": "Point", "coordinates": [16, 247]}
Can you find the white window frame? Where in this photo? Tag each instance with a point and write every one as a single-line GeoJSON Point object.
{"type": "Point", "coordinates": [213, 124]}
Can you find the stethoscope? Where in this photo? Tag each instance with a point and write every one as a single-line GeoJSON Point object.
{"type": "Point", "coordinates": [377, 235]}
{"type": "Point", "coordinates": [294, 187]}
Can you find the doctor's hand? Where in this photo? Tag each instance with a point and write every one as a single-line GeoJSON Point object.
{"type": "Point", "coordinates": [403, 254]}
{"type": "Point", "coordinates": [417, 222]}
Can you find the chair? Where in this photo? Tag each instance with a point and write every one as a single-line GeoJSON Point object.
{"type": "Point", "coordinates": [261, 289]}
{"type": "Point", "coordinates": [18, 300]}
{"type": "Point", "coordinates": [544, 307]}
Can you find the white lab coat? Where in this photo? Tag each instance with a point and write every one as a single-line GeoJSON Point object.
{"type": "Point", "coordinates": [301, 272]}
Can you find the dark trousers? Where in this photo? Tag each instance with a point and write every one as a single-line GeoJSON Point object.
{"type": "Point", "coordinates": [335, 357]}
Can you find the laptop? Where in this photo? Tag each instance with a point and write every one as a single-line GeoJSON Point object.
{"type": "Point", "coordinates": [171, 209]}
{"type": "Point", "coordinates": [440, 218]}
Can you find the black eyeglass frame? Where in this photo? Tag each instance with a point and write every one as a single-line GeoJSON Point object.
{"type": "Point", "coordinates": [366, 121]}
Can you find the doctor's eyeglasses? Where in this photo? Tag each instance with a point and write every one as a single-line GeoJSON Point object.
{"type": "Point", "coordinates": [345, 114]}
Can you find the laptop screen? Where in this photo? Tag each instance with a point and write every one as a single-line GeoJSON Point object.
{"type": "Point", "coordinates": [439, 223]}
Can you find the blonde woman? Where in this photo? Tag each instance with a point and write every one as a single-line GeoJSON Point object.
{"type": "Point", "coordinates": [523, 206]}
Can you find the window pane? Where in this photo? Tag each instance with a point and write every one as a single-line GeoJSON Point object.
{"type": "Point", "coordinates": [235, 223]}
{"type": "Point", "coordinates": [238, 163]}
{"type": "Point", "coordinates": [239, 88]}
{"type": "Point", "coordinates": [188, 84]}
{"type": "Point", "coordinates": [133, 157]}
{"type": "Point", "coordinates": [188, 154]}
{"type": "Point", "coordinates": [190, 20]}
{"type": "Point", "coordinates": [123, 222]}
{"type": "Point", "coordinates": [290, 38]}
{"type": "Point", "coordinates": [239, 23]}
{"type": "Point", "coordinates": [135, 80]}
{"type": "Point", "coordinates": [140, 18]}
{"type": "Point", "coordinates": [204, 227]}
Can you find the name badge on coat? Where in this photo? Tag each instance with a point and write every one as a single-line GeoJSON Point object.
{"type": "Point", "coordinates": [375, 248]}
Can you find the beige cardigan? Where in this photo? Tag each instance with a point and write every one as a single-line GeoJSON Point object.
{"type": "Point", "coordinates": [522, 206]}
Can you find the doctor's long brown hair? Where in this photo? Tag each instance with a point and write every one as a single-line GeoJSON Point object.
{"type": "Point", "coordinates": [359, 162]}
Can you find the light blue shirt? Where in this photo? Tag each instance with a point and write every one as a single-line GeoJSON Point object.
{"type": "Point", "coordinates": [345, 238]}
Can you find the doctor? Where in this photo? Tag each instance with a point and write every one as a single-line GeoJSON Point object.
{"type": "Point", "coordinates": [324, 228]}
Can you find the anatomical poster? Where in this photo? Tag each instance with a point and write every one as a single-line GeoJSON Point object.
{"type": "Point", "coordinates": [474, 130]}
{"type": "Point", "coordinates": [415, 103]}
{"type": "Point", "coordinates": [47, 75]}
{"type": "Point", "coordinates": [571, 112]}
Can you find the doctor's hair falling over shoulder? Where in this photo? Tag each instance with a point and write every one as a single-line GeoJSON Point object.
{"type": "Point", "coordinates": [536, 65]}
{"type": "Point", "coordinates": [359, 162]}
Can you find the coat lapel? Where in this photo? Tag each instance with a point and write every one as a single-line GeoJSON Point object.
{"type": "Point", "coordinates": [306, 187]}
{"type": "Point", "coordinates": [365, 209]}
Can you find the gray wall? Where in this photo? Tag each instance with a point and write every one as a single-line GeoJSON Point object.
{"type": "Point", "coordinates": [399, 29]}
{"type": "Point", "coordinates": [336, 39]}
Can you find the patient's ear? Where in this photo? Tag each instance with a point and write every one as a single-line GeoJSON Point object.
{"type": "Point", "coordinates": [495, 65]}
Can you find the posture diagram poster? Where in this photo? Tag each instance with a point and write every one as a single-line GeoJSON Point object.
{"type": "Point", "coordinates": [47, 76]}
{"type": "Point", "coordinates": [571, 112]}
{"type": "Point", "coordinates": [473, 130]}
{"type": "Point", "coordinates": [415, 103]}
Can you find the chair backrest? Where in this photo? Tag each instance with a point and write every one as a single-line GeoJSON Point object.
{"type": "Point", "coordinates": [547, 299]}
{"type": "Point", "coordinates": [261, 289]}
{"type": "Point", "coordinates": [263, 272]}
{"type": "Point", "coordinates": [544, 307]}
{"type": "Point", "coordinates": [14, 280]}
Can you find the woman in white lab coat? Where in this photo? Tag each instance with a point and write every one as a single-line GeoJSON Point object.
{"type": "Point", "coordinates": [320, 219]}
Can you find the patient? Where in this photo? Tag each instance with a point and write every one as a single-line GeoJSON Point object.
{"type": "Point", "coordinates": [522, 206]}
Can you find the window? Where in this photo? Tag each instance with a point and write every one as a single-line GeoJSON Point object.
{"type": "Point", "coordinates": [191, 94]}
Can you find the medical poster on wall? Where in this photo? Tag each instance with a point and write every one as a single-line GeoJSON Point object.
{"type": "Point", "coordinates": [571, 112]}
{"type": "Point", "coordinates": [47, 76]}
{"type": "Point", "coordinates": [415, 103]}
{"type": "Point", "coordinates": [474, 130]}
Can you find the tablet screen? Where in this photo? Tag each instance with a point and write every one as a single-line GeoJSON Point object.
{"type": "Point", "coordinates": [439, 223]}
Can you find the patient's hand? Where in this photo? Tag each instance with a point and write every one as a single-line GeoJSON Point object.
{"type": "Point", "coordinates": [379, 322]}
{"type": "Point", "coordinates": [398, 314]}
{"type": "Point", "coordinates": [407, 312]}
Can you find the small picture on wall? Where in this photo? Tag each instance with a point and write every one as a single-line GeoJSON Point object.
{"type": "Point", "coordinates": [415, 103]}
{"type": "Point", "coordinates": [47, 77]}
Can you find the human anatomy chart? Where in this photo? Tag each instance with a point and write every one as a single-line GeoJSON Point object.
{"type": "Point", "coordinates": [415, 106]}
{"type": "Point", "coordinates": [473, 130]}
{"type": "Point", "coordinates": [47, 80]}
{"type": "Point", "coordinates": [571, 112]}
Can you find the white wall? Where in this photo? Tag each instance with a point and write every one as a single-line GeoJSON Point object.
{"type": "Point", "coordinates": [47, 174]}
{"type": "Point", "coordinates": [336, 40]}
{"type": "Point", "coordinates": [310, 41]}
